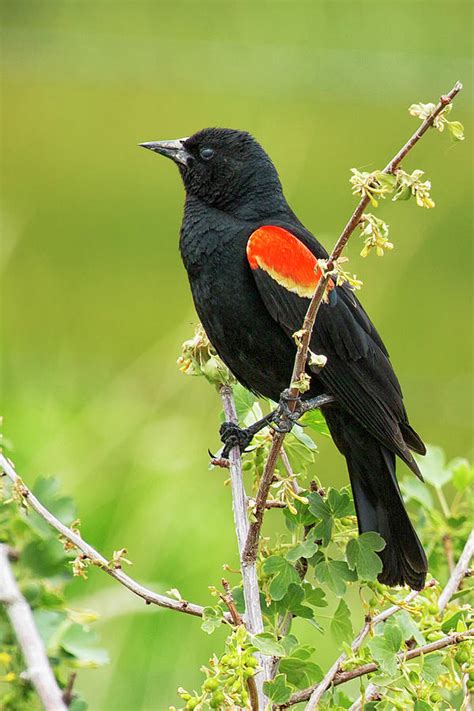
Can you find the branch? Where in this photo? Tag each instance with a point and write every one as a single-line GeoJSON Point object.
{"type": "Point", "coordinates": [299, 366]}
{"type": "Point", "coordinates": [253, 612]}
{"type": "Point", "coordinates": [458, 574]}
{"type": "Point", "coordinates": [38, 670]}
{"type": "Point", "coordinates": [317, 691]}
{"type": "Point", "coordinates": [343, 677]}
{"type": "Point", "coordinates": [96, 558]}
{"type": "Point", "coordinates": [371, 693]}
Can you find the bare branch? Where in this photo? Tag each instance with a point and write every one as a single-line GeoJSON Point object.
{"type": "Point", "coordinates": [253, 612]}
{"type": "Point", "coordinates": [369, 625]}
{"type": "Point", "coordinates": [38, 670]}
{"type": "Point", "coordinates": [299, 366]}
{"type": "Point", "coordinates": [96, 558]}
{"type": "Point", "coordinates": [458, 573]}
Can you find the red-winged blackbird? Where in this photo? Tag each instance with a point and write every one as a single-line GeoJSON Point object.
{"type": "Point", "coordinates": [252, 269]}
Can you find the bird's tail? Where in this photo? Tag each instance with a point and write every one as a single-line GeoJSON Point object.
{"type": "Point", "coordinates": [378, 502]}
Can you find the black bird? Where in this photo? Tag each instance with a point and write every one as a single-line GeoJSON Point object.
{"type": "Point", "coordinates": [252, 267]}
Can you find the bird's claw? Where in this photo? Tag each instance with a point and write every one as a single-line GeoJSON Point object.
{"type": "Point", "coordinates": [234, 436]}
{"type": "Point", "coordinates": [285, 416]}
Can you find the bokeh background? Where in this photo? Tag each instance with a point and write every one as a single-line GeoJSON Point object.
{"type": "Point", "coordinates": [96, 301]}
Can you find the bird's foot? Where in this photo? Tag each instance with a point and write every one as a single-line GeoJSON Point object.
{"type": "Point", "coordinates": [289, 410]}
{"type": "Point", "coordinates": [232, 436]}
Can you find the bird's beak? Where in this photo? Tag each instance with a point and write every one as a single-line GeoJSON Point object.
{"type": "Point", "coordinates": [171, 149]}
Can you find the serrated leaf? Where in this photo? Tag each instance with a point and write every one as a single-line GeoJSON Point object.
{"type": "Point", "coordinates": [314, 596]}
{"type": "Point", "coordinates": [361, 555]}
{"type": "Point", "coordinates": [277, 690]}
{"type": "Point", "coordinates": [322, 512]}
{"type": "Point", "coordinates": [383, 653]}
{"type": "Point", "coordinates": [340, 503]}
{"type": "Point", "coordinates": [341, 625]}
{"type": "Point", "coordinates": [211, 619]}
{"type": "Point", "coordinates": [283, 574]}
{"type": "Point", "coordinates": [433, 667]}
{"type": "Point", "coordinates": [335, 574]}
{"type": "Point", "coordinates": [268, 645]}
{"type": "Point", "coordinates": [292, 602]}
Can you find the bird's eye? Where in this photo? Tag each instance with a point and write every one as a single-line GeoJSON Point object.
{"type": "Point", "coordinates": [206, 153]}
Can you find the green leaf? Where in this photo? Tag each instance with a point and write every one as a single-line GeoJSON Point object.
{"type": "Point", "coordinates": [433, 467]}
{"type": "Point", "coordinates": [335, 574]}
{"type": "Point", "coordinates": [341, 625]}
{"type": "Point", "coordinates": [384, 655]}
{"type": "Point", "coordinates": [314, 596]}
{"type": "Point", "coordinates": [299, 670]}
{"type": "Point", "coordinates": [418, 491]}
{"type": "Point", "coordinates": [48, 623]}
{"type": "Point", "coordinates": [244, 401]}
{"type": "Point", "coordinates": [81, 643]}
{"type": "Point", "coordinates": [433, 667]}
{"type": "Point", "coordinates": [462, 474]}
{"type": "Point", "coordinates": [340, 503]}
{"type": "Point", "coordinates": [305, 439]}
{"type": "Point", "coordinates": [456, 129]}
{"type": "Point", "coordinates": [267, 644]}
{"type": "Point", "coordinates": [421, 705]}
{"type": "Point", "coordinates": [303, 515]}
{"type": "Point", "coordinates": [384, 647]}
{"type": "Point", "coordinates": [314, 419]}
{"type": "Point", "coordinates": [407, 626]}
{"type": "Point", "coordinates": [292, 602]}
{"type": "Point", "coordinates": [211, 619]}
{"type": "Point", "coordinates": [283, 574]}
{"type": "Point", "coordinates": [452, 621]}
{"type": "Point", "coordinates": [305, 549]}
{"type": "Point", "coordinates": [361, 554]}
{"type": "Point", "coordinates": [46, 489]}
{"type": "Point", "coordinates": [321, 510]}
{"type": "Point", "coordinates": [277, 690]}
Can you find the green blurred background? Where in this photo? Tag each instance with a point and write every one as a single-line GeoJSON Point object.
{"type": "Point", "coordinates": [95, 299]}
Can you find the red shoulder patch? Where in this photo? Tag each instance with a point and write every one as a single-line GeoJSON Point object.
{"type": "Point", "coordinates": [285, 259]}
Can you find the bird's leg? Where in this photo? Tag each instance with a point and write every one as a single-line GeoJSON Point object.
{"type": "Point", "coordinates": [281, 419]}
{"type": "Point", "coordinates": [286, 415]}
{"type": "Point", "coordinates": [233, 435]}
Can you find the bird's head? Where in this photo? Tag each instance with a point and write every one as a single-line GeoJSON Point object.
{"type": "Point", "coordinates": [226, 169]}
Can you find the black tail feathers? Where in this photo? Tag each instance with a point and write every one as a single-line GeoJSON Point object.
{"type": "Point", "coordinates": [380, 508]}
{"type": "Point", "coordinates": [379, 504]}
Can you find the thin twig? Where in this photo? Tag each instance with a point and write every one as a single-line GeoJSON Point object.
{"type": "Point", "coordinates": [96, 558]}
{"type": "Point", "coordinates": [448, 550]}
{"type": "Point", "coordinates": [253, 613]}
{"type": "Point", "coordinates": [458, 573]}
{"type": "Point", "coordinates": [343, 677]}
{"type": "Point", "coordinates": [67, 692]}
{"type": "Point", "coordinates": [299, 366]}
{"type": "Point", "coordinates": [370, 623]}
{"type": "Point", "coordinates": [38, 670]}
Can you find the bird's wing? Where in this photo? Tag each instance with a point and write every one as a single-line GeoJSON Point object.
{"type": "Point", "coordinates": [358, 371]}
